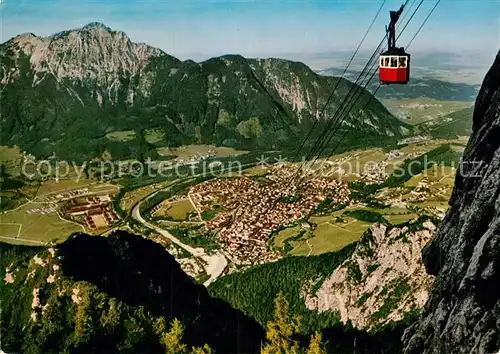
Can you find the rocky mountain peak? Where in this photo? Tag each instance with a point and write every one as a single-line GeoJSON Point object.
{"type": "Point", "coordinates": [93, 51]}
{"type": "Point", "coordinates": [96, 25]}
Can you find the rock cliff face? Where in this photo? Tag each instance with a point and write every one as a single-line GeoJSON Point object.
{"type": "Point", "coordinates": [383, 281]}
{"type": "Point", "coordinates": [463, 311]}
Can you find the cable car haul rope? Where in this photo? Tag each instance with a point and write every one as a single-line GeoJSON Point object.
{"type": "Point", "coordinates": [356, 91]}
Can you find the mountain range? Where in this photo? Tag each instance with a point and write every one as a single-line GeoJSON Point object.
{"type": "Point", "coordinates": [64, 94]}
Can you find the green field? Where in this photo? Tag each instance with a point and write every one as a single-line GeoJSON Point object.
{"type": "Point", "coordinates": [11, 158]}
{"type": "Point", "coordinates": [285, 234]}
{"type": "Point", "coordinates": [328, 236]}
{"type": "Point", "coordinates": [352, 163]}
{"type": "Point", "coordinates": [399, 219]}
{"type": "Point", "coordinates": [432, 204]}
{"type": "Point", "coordinates": [153, 136]}
{"type": "Point", "coordinates": [395, 215]}
{"type": "Point", "coordinates": [188, 151]}
{"type": "Point", "coordinates": [9, 229]}
{"type": "Point", "coordinates": [255, 171]}
{"type": "Point", "coordinates": [36, 227]}
{"type": "Point", "coordinates": [129, 199]}
{"type": "Point", "coordinates": [443, 175]}
{"type": "Point", "coordinates": [9, 153]}
{"type": "Point", "coordinates": [335, 231]}
{"type": "Point", "coordinates": [53, 187]}
{"type": "Point", "coordinates": [123, 135]}
{"type": "Point", "coordinates": [177, 210]}
{"type": "Point", "coordinates": [331, 236]}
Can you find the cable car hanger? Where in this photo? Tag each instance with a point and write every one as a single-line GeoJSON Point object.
{"type": "Point", "coordinates": [394, 64]}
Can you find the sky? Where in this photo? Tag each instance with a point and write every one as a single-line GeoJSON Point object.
{"type": "Point", "coordinates": [314, 31]}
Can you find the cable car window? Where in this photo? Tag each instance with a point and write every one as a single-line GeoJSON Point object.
{"type": "Point", "coordinates": [394, 62]}
{"type": "Point", "coordinates": [386, 63]}
{"type": "Point", "coordinates": [402, 62]}
{"type": "Point", "coordinates": [381, 61]}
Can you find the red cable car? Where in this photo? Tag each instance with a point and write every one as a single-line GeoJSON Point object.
{"type": "Point", "coordinates": [394, 64]}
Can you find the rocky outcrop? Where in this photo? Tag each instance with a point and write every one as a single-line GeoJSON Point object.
{"type": "Point", "coordinates": [382, 281]}
{"type": "Point", "coordinates": [462, 314]}
{"type": "Point", "coordinates": [92, 51]}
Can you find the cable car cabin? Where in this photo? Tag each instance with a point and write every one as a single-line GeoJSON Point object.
{"type": "Point", "coordinates": [394, 65]}
{"type": "Point", "coordinates": [394, 69]}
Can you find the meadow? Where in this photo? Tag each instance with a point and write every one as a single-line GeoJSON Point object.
{"type": "Point", "coordinates": [35, 227]}
{"type": "Point", "coordinates": [121, 136]}
{"type": "Point", "coordinates": [177, 211]}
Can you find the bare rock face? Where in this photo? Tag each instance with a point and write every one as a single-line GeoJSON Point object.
{"type": "Point", "coordinates": [94, 53]}
{"type": "Point", "coordinates": [91, 51]}
{"type": "Point", "coordinates": [463, 311]}
{"type": "Point", "coordinates": [382, 281]}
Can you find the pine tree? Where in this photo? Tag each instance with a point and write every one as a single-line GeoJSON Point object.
{"type": "Point", "coordinates": [280, 331]}
{"type": "Point", "coordinates": [110, 318]}
{"type": "Point", "coordinates": [160, 326]}
{"type": "Point", "coordinates": [173, 339]}
{"type": "Point", "coordinates": [202, 350]}
{"type": "Point", "coordinates": [316, 345]}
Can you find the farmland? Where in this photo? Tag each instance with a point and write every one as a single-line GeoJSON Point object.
{"type": "Point", "coordinates": [130, 198]}
{"type": "Point", "coordinates": [420, 110]}
{"type": "Point", "coordinates": [285, 234]}
{"type": "Point", "coordinates": [331, 236]}
{"type": "Point", "coordinates": [37, 219]}
{"type": "Point", "coordinates": [11, 158]}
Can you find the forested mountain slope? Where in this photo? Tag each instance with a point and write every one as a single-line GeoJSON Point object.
{"type": "Point", "coordinates": [66, 93]}
{"type": "Point", "coordinates": [109, 294]}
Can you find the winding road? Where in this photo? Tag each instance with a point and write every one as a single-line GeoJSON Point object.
{"type": "Point", "coordinates": [216, 263]}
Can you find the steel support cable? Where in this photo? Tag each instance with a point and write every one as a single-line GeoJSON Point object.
{"type": "Point", "coordinates": [362, 75]}
{"type": "Point", "coordinates": [338, 82]}
{"type": "Point", "coordinates": [423, 23]}
{"type": "Point", "coordinates": [371, 98]}
{"type": "Point", "coordinates": [361, 90]}
{"type": "Point", "coordinates": [332, 121]}
{"type": "Point", "coordinates": [335, 88]}
{"type": "Point", "coordinates": [342, 105]}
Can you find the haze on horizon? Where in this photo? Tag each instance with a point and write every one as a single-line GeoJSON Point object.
{"type": "Point", "coordinates": [318, 32]}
